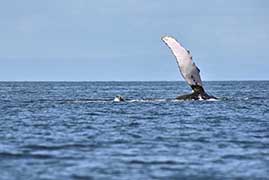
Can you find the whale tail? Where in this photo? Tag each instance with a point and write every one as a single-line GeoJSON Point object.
{"type": "Point", "coordinates": [188, 69]}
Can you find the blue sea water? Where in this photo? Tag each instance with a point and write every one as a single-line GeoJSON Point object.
{"type": "Point", "coordinates": [74, 130]}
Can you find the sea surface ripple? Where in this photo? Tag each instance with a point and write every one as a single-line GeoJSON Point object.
{"type": "Point", "coordinates": [74, 130]}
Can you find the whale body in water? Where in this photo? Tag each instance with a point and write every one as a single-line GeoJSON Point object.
{"type": "Point", "coordinates": [188, 69]}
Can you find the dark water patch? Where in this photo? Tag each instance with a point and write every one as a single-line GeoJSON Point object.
{"type": "Point", "coordinates": [81, 177]}
{"type": "Point", "coordinates": [245, 157]}
{"type": "Point", "coordinates": [8, 155]}
{"type": "Point", "coordinates": [265, 112]}
{"type": "Point", "coordinates": [59, 147]}
{"type": "Point", "coordinates": [145, 162]}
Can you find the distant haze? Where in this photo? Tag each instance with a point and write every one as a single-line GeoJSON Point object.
{"type": "Point", "coordinates": [104, 40]}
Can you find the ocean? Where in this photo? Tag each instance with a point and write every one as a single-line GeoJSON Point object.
{"type": "Point", "coordinates": [74, 130]}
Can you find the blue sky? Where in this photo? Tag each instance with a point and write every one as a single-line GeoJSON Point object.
{"type": "Point", "coordinates": [84, 40]}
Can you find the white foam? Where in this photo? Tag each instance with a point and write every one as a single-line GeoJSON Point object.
{"type": "Point", "coordinates": [147, 100]}
{"type": "Point", "coordinates": [212, 99]}
{"type": "Point", "coordinates": [116, 99]}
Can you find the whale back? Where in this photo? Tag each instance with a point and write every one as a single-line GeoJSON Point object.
{"type": "Point", "coordinates": [187, 67]}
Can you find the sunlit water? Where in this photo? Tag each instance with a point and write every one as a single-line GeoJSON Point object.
{"type": "Point", "coordinates": [65, 130]}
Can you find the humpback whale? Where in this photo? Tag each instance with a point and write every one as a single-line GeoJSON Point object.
{"type": "Point", "coordinates": [188, 69]}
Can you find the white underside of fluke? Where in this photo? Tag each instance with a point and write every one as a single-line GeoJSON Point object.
{"type": "Point", "coordinates": [187, 67]}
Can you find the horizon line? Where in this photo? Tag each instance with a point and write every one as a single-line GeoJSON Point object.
{"type": "Point", "coordinates": [125, 80]}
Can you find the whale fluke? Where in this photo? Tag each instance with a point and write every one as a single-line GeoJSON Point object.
{"type": "Point", "coordinates": [188, 69]}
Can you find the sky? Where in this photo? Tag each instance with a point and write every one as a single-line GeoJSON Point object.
{"type": "Point", "coordinates": [119, 40]}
